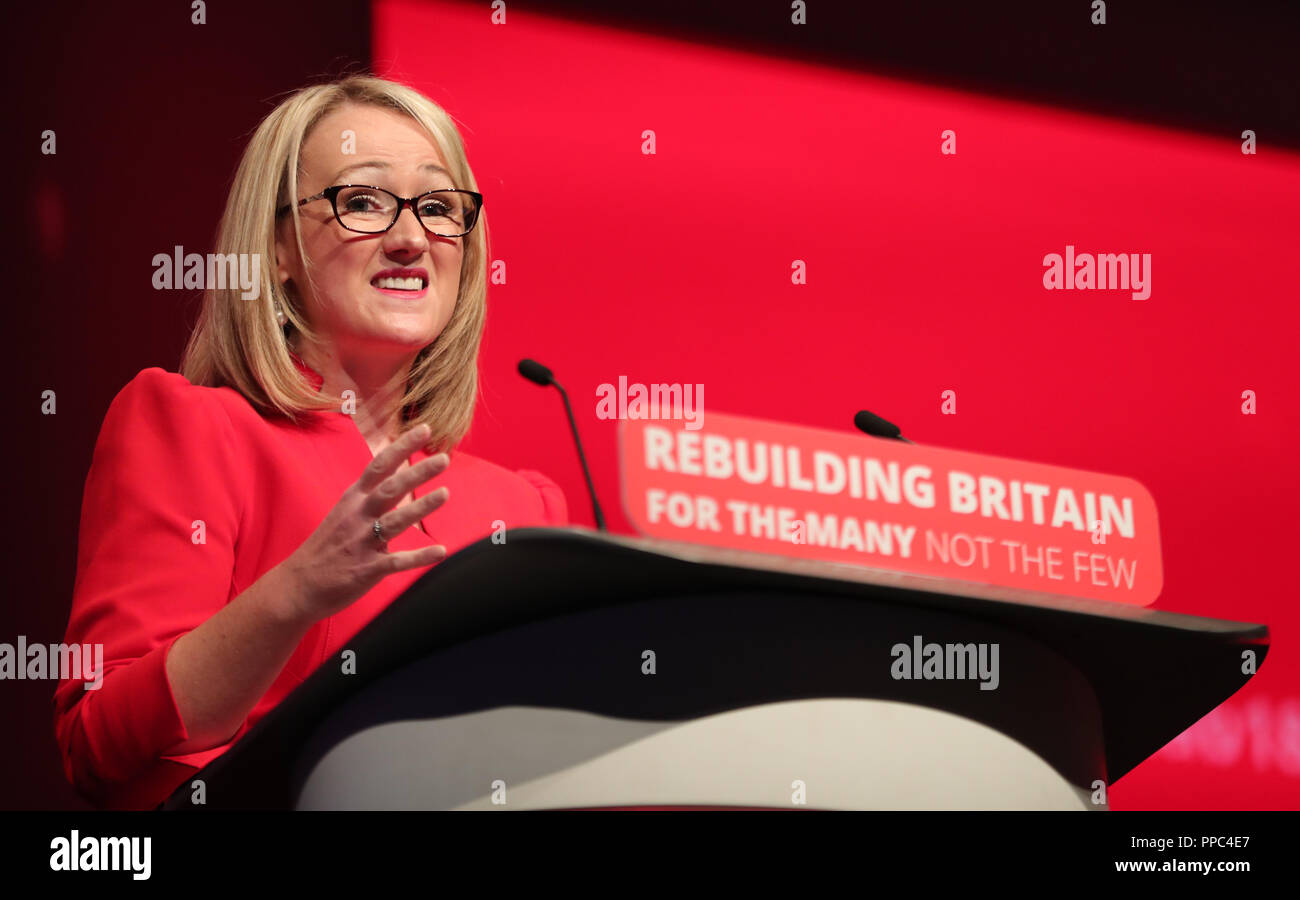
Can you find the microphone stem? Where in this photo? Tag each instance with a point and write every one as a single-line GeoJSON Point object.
{"type": "Point", "coordinates": [582, 457]}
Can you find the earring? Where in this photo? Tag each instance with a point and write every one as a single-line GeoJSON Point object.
{"type": "Point", "coordinates": [280, 317]}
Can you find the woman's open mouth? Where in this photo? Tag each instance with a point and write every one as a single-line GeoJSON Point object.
{"type": "Point", "coordinates": [406, 283]}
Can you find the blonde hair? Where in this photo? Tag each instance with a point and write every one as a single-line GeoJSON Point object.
{"type": "Point", "coordinates": [238, 343]}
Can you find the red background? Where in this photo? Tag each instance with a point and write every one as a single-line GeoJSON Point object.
{"type": "Point", "coordinates": [924, 275]}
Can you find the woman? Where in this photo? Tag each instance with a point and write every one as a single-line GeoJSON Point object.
{"type": "Point", "coordinates": [245, 518]}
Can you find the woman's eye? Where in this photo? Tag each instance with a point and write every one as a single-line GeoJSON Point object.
{"type": "Point", "coordinates": [434, 208]}
{"type": "Point", "coordinates": [361, 203]}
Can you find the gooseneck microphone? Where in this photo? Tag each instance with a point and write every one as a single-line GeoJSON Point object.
{"type": "Point", "coordinates": [872, 424]}
{"type": "Point", "coordinates": [539, 374]}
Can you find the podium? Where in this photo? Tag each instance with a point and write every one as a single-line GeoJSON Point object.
{"type": "Point", "coordinates": [571, 669]}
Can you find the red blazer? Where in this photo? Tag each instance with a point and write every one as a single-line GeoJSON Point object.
{"type": "Point", "coordinates": [171, 454]}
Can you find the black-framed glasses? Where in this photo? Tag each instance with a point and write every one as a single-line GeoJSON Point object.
{"type": "Point", "coordinates": [367, 209]}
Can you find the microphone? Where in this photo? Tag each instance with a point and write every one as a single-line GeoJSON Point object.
{"type": "Point", "coordinates": [539, 374]}
{"type": "Point", "coordinates": [872, 424]}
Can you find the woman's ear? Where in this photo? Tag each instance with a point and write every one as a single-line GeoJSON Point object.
{"type": "Point", "coordinates": [286, 252]}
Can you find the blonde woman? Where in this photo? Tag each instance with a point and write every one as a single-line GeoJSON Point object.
{"type": "Point", "coordinates": [244, 518]}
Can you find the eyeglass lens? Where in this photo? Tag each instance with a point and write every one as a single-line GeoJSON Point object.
{"type": "Point", "coordinates": [445, 213]}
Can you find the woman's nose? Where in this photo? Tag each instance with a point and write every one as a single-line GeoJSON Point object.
{"type": "Point", "coordinates": [407, 231]}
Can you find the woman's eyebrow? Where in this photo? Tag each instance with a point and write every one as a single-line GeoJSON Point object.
{"type": "Point", "coordinates": [379, 164]}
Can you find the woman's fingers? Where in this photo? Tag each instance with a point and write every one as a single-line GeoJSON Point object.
{"type": "Point", "coordinates": [388, 460]}
{"type": "Point", "coordinates": [409, 479]}
{"type": "Point", "coordinates": [402, 518]}
{"type": "Point", "coordinates": [341, 559]}
{"type": "Point", "coordinates": [386, 494]}
{"type": "Point", "coordinates": [414, 559]}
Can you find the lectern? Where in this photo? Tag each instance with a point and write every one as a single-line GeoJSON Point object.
{"type": "Point", "coordinates": [568, 669]}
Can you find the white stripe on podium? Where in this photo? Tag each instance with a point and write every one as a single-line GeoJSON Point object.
{"type": "Point", "coordinates": [848, 754]}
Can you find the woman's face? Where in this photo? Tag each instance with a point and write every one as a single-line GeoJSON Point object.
{"type": "Point", "coordinates": [347, 306]}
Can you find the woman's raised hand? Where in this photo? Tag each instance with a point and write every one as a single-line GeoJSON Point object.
{"type": "Point", "coordinates": [343, 558]}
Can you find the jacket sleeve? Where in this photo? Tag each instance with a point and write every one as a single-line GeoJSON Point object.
{"type": "Point", "coordinates": [155, 558]}
{"type": "Point", "coordinates": [555, 511]}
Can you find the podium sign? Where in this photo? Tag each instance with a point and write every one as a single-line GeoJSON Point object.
{"type": "Point", "coordinates": [756, 485]}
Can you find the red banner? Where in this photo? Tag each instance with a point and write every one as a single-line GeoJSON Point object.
{"type": "Point", "coordinates": [841, 497]}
